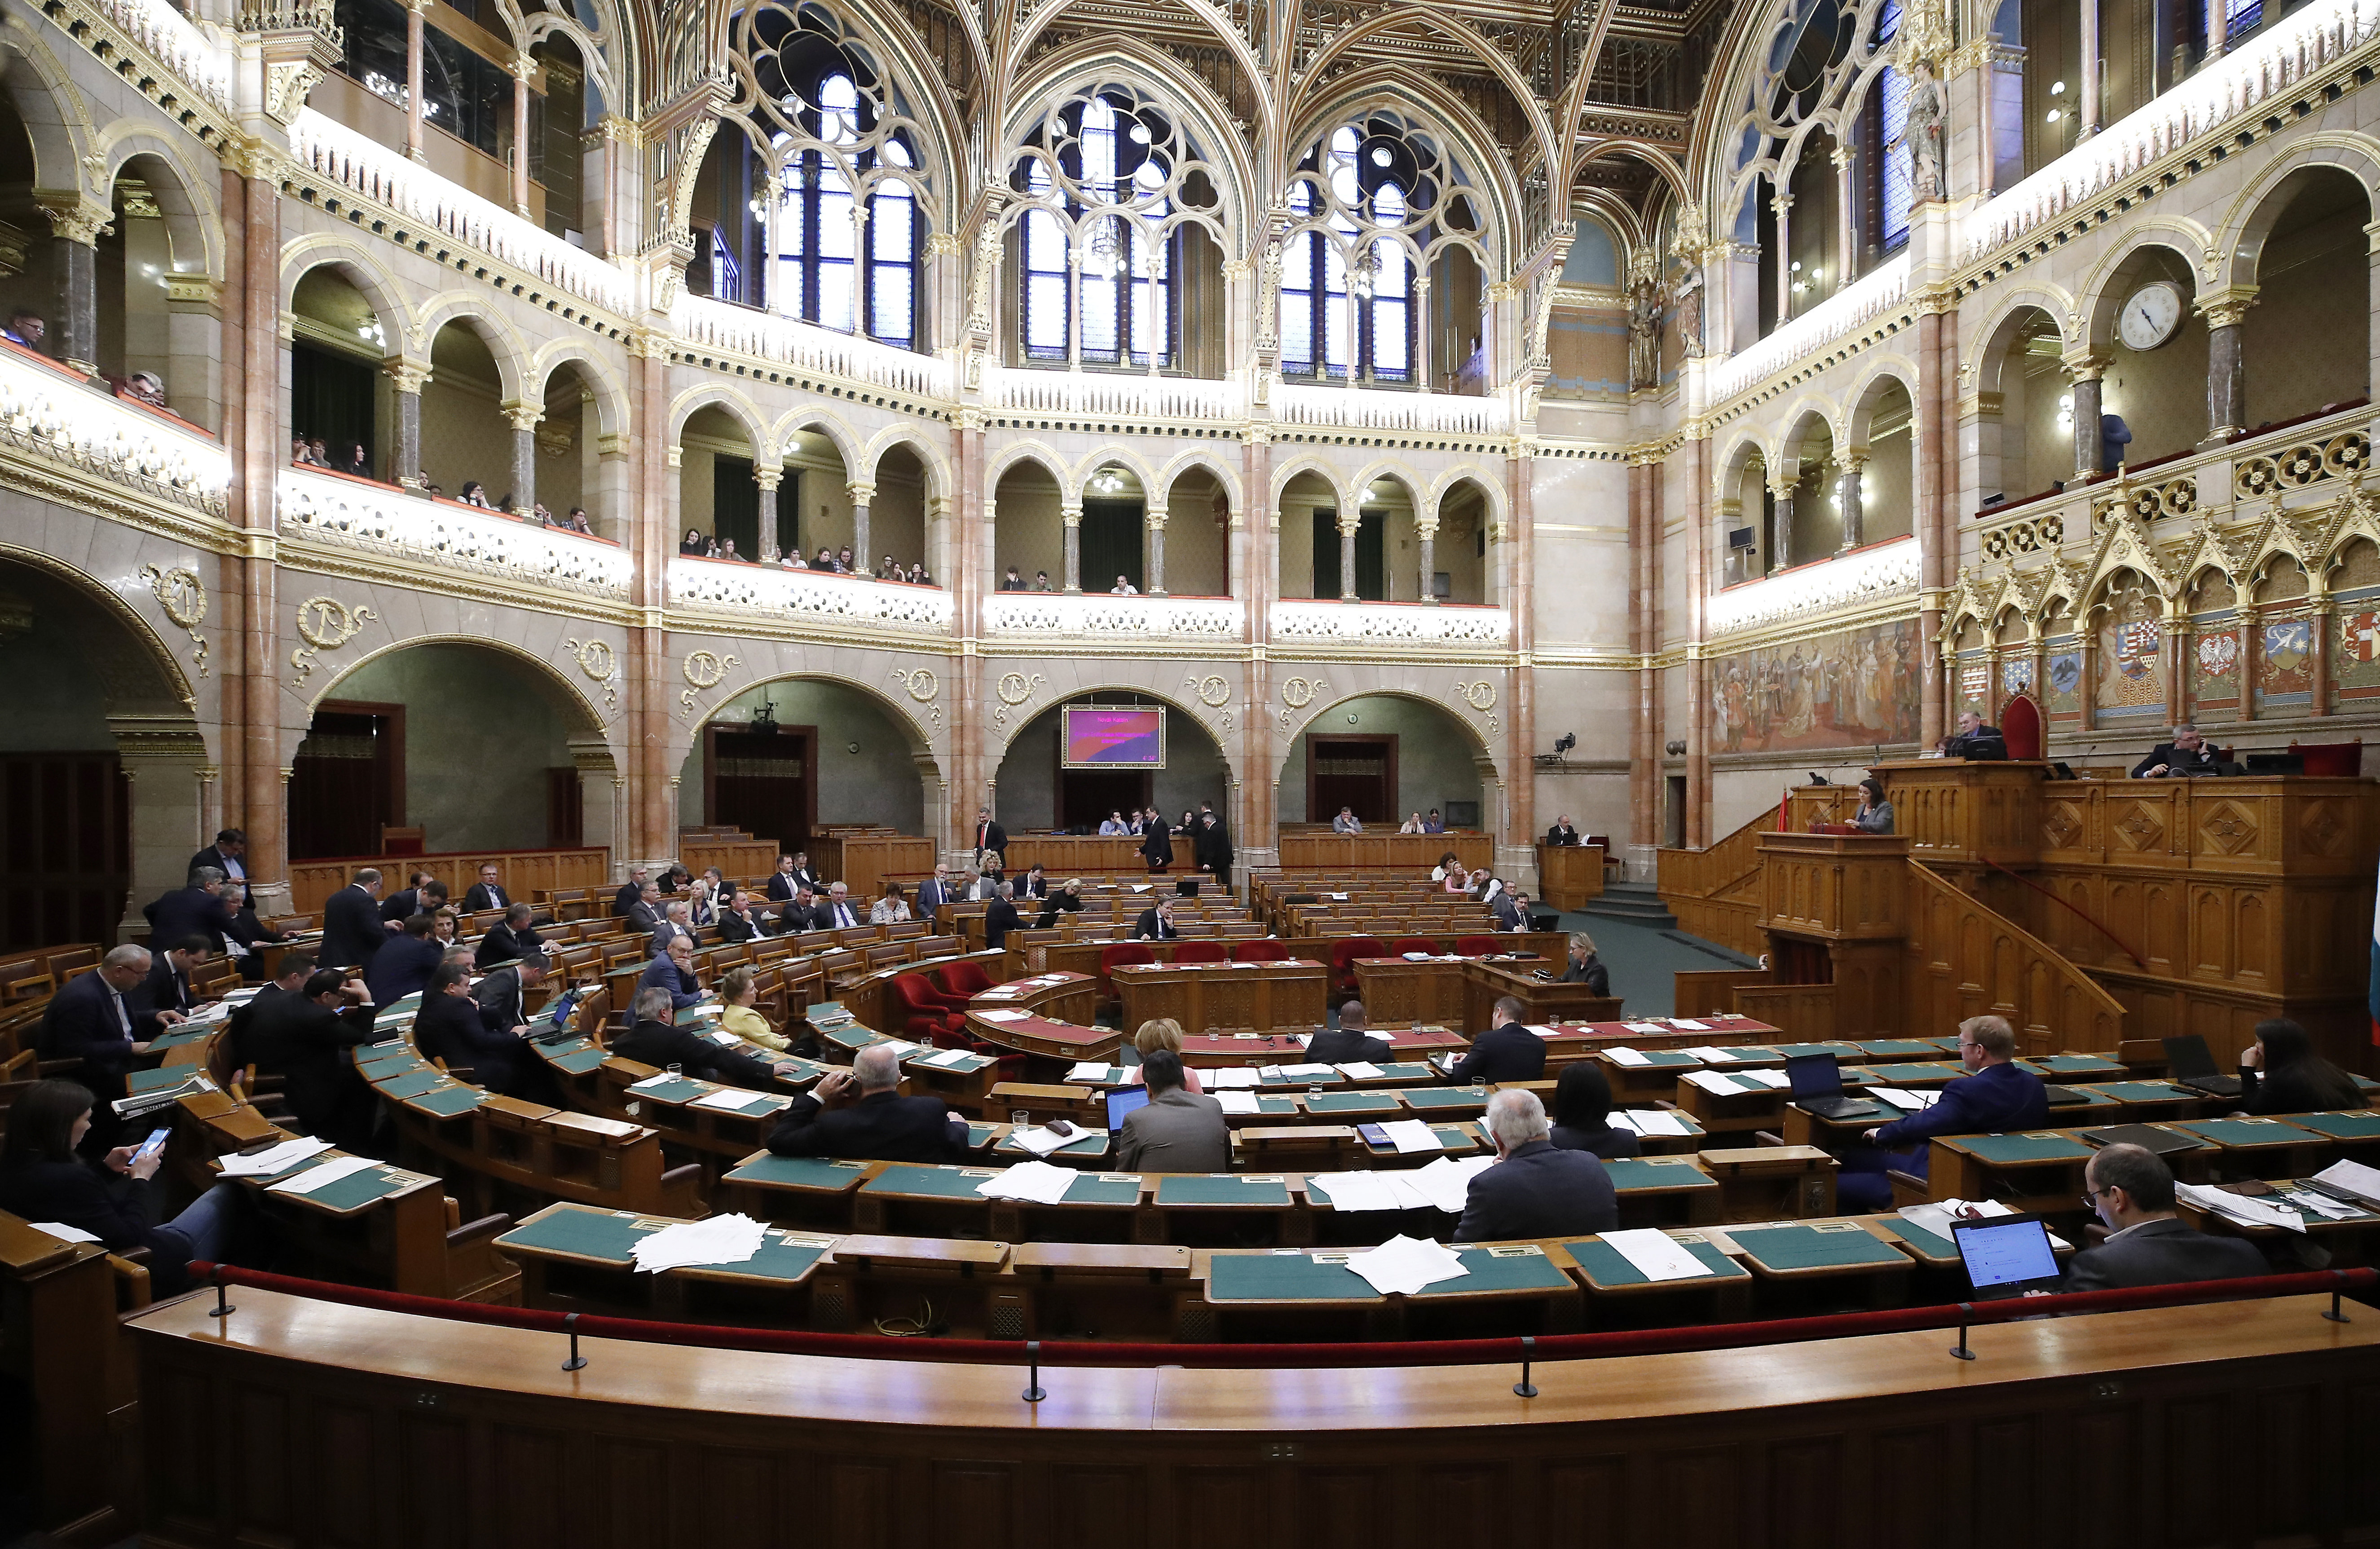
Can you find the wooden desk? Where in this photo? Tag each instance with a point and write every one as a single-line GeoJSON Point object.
{"type": "Point", "coordinates": [1111, 1290]}
{"type": "Point", "coordinates": [1207, 997]}
{"type": "Point", "coordinates": [1617, 1292]}
{"type": "Point", "coordinates": [1388, 851]}
{"type": "Point", "coordinates": [57, 1302]}
{"type": "Point", "coordinates": [1407, 1044]}
{"type": "Point", "coordinates": [1542, 1001]}
{"type": "Point", "coordinates": [1751, 1106]}
{"type": "Point", "coordinates": [863, 861]}
{"type": "Point", "coordinates": [870, 1279]}
{"type": "Point", "coordinates": [1824, 1251]}
{"type": "Point", "coordinates": [1394, 990]}
{"type": "Point", "coordinates": [2038, 1170]}
{"type": "Point", "coordinates": [1664, 1191]}
{"type": "Point", "coordinates": [1769, 1183]}
{"type": "Point", "coordinates": [1294, 1293]}
{"type": "Point", "coordinates": [1568, 875]}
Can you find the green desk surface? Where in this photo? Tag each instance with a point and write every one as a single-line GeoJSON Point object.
{"type": "Point", "coordinates": [388, 1065]}
{"type": "Point", "coordinates": [1899, 1048]}
{"type": "Point", "coordinates": [1287, 1277]}
{"type": "Point", "coordinates": [2009, 1150]}
{"type": "Point", "coordinates": [852, 1036]}
{"type": "Point", "coordinates": [1451, 1137]}
{"type": "Point", "coordinates": [2148, 1091]}
{"type": "Point", "coordinates": [2078, 1065]}
{"type": "Point", "coordinates": [1655, 1059]}
{"type": "Point", "coordinates": [1500, 1272]}
{"type": "Point", "coordinates": [1605, 1268]}
{"type": "Point", "coordinates": [2361, 1124]}
{"type": "Point", "coordinates": [182, 1035]}
{"type": "Point", "coordinates": [576, 1059]}
{"type": "Point", "coordinates": [589, 1234]}
{"type": "Point", "coordinates": [1930, 1245]}
{"type": "Point", "coordinates": [676, 1089]}
{"type": "Point", "coordinates": [2246, 1132]}
{"type": "Point", "coordinates": [1430, 1099]}
{"type": "Point", "coordinates": [776, 1260]}
{"type": "Point", "coordinates": [1844, 1052]}
{"type": "Point", "coordinates": [1749, 1053]}
{"type": "Point", "coordinates": [1745, 1086]}
{"type": "Point", "coordinates": [1108, 1076]}
{"type": "Point", "coordinates": [2363, 1083]}
{"type": "Point", "coordinates": [351, 1192]}
{"type": "Point", "coordinates": [1104, 1188]}
{"type": "Point", "coordinates": [931, 1182]}
{"type": "Point", "coordinates": [1799, 1247]}
{"type": "Point", "coordinates": [413, 1083]}
{"type": "Point", "coordinates": [1093, 1143]}
{"type": "Point", "coordinates": [822, 1174]}
{"type": "Point", "coordinates": [1638, 1174]}
{"type": "Point", "coordinates": [967, 1067]}
{"type": "Point", "coordinates": [1353, 1103]}
{"type": "Point", "coordinates": [2091, 1098]}
{"type": "Point", "coordinates": [1332, 1080]}
{"type": "Point", "coordinates": [161, 1079]}
{"type": "Point", "coordinates": [1407, 1070]}
{"type": "Point", "coordinates": [979, 1134]}
{"type": "Point", "coordinates": [1266, 1192]}
{"type": "Point", "coordinates": [1914, 1073]}
{"type": "Point", "coordinates": [448, 1101]}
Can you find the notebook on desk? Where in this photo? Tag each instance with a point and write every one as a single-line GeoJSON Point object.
{"type": "Point", "coordinates": [2148, 1137]}
{"type": "Point", "coordinates": [2192, 1064]}
{"type": "Point", "coordinates": [2006, 1256]}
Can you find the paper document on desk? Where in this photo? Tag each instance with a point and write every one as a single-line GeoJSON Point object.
{"type": "Point", "coordinates": [63, 1232]}
{"type": "Point", "coordinates": [1404, 1265]}
{"type": "Point", "coordinates": [1237, 1102]}
{"type": "Point", "coordinates": [1411, 1136]}
{"type": "Point", "coordinates": [1543, 1031]}
{"type": "Point", "coordinates": [720, 1239]}
{"type": "Point", "coordinates": [1656, 1255]}
{"type": "Point", "coordinates": [1447, 1181]}
{"type": "Point", "coordinates": [1004, 1016]}
{"type": "Point", "coordinates": [1360, 1071]}
{"type": "Point", "coordinates": [1307, 1072]}
{"type": "Point", "coordinates": [2238, 1207]}
{"type": "Point", "coordinates": [1776, 1078]}
{"type": "Point", "coordinates": [1644, 1026]}
{"type": "Point", "coordinates": [1942, 1215]}
{"type": "Point", "coordinates": [1230, 1078]}
{"type": "Point", "coordinates": [1687, 1024]}
{"type": "Point", "coordinates": [2355, 1178]}
{"type": "Point", "coordinates": [731, 1100]}
{"type": "Point", "coordinates": [1371, 1190]}
{"type": "Point", "coordinates": [651, 1083]}
{"type": "Point", "coordinates": [1712, 1054]}
{"type": "Point", "coordinates": [1088, 1070]}
{"type": "Point", "coordinates": [1620, 1053]}
{"type": "Point", "coordinates": [1034, 1182]}
{"type": "Point", "coordinates": [324, 1176]}
{"type": "Point", "coordinates": [1715, 1083]}
{"type": "Point", "coordinates": [1656, 1121]}
{"type": "Point", "coordinates": [1041, 1141]}
{"type": "Point", "coordinates": [948, 1058]}
{"type": "Point", "coordinates": [1908, 1101]}
{"type": "Point", "coordinates": [275, 1159]}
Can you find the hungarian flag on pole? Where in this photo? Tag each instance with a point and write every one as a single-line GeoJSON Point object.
{"type": "Point", "coordinates": [1785, 825]}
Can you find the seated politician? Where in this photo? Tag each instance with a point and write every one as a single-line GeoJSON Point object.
{"type": "Point", "coordinates": [1065, 900]}
{"type": "Point", "coordinates": [860, 1115]}
{"type": "Point", "coordinates": [1348, 1042]}
{"type": "Point", "coordinates": [1176, 1130]}
{"type": "Point", "coordinates": [1583, 1114]}
{"type": "Point", "coordinates": [2131, 1189]}
{"type": "Point", "coordinates": [451, 1029]}
{"type": "Point", "coordinates": [1156, 923]}
{"type": "Point", "coordinates": [1535, 1190]}
{"type": "Point", "coordinates": [1161, 1032]}
{"type": "Point", "coordinates": [1506, 1051]}
{"type": "Point", "coordinates": [2185, 753]}
{"type": "Point", "coordinates": [511, 938]}
{"type": "Point", "coordinates": [1996, 1094]}
{"type": "Point", "coordinates": [658, 1040]}
{"type": "Point", "coordinates": [1585, 968]}
{"type": "Point", "coordinates": [1974, 740]}
{"type": "Point", "coordinates": [672, 970]}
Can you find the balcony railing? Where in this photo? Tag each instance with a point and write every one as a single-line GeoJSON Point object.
{"type": "Point", "coordinates": [1299, 403]}
{"type": "Point", "coordinates": [1322, 622]}
{"type": "Point", "coordinates": [1822, 325]}
{"type": "Point", "coordinates": [1877, 571]}
{"type": "Point", "coordinates": [51, 414]}
{"type": "Point", "coordinates": [1119, 394]}
{"type": "Point", "coordinates": [2267, 66]}
{"type": "Point", "coordinates": [1104, 616]}
{"type": "Point", "coordinates": [805, 347]}
{"type": "Point", "coordinates": [379, 518]}
{"type": "Point", "coordinates": [383, 174]}
{"type": "Point", "coordinates": [172, 39]}
{"type": "Point", "coordinates": [817, 596]}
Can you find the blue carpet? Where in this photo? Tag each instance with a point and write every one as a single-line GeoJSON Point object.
{"type": "Point", "coordinates": [1642, 959]}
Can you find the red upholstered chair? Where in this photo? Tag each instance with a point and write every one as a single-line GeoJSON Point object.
{"type": "Point", "coordinates": [1123, 954]}
{"type": "Point", "coordinates": [1201, 952]}
{"type": "Point", "coordinates": [1414, 944]}
{"type": "Point", "coordinates": [1260, 952]}
{"type": "Point", "coordinates": [2331, 758]}
{"type": "Point", "coordinates": [2021, 727]}
{"type": "Point", "coordinates": [922, 1017]}
{"type": "Point", "coordinates": [962, 980]}
{"type": "Point", "coordinates": [1477, 947]}
{"type": "Point", "coordinates": [1344, 955]}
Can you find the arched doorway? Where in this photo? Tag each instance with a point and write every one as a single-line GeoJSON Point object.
{"type": "Point", "coordinates": [1037, 791]}
{"type": "Point", "coordinates": [1386, 756]}
{"type": "Point", "coordinates": [787, 757]}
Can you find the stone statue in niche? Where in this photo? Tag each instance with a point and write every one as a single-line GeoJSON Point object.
{"type": "Point", "coordinates": [1645, 334]}
{"type": "Point", "coordinates": [1922, 131]}
{"type": "Point", "coordinates": [1690, 312]}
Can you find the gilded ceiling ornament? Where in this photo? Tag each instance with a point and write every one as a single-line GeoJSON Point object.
{"type": "Point", "coordinates": [183, 599]}
{"type": "Point", "coordinates": [595, 659]}
{"type": "Point", "coordinates": [325, 623]}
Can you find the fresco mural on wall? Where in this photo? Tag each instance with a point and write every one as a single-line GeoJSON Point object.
{"type": "Point", "coordinates": [1856, 688]}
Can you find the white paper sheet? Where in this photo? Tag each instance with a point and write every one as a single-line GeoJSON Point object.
{"type": "Point", "coordinates": [1237, 1102]}
{"type": "Point", "coordinates": [277, 1159]}
{"type": "Point", "coordinates": [1360, 1071]}
{"type": "Point", "coordinates": [1404, 1265]}
{"type": "Point", "coordinates": [1034, 1182]}
{"type": "Point", "coordinates": [63, 1232]}
{"type": "Point", "coordinates": [2361, 1181]}
{"type": "Point", "coordinates": [2238, 1207]}
{"type": "Point", "coordinates": [947, 1059]}
{"type": "Point", "coordinates": [1622, 1054]}
{"type": "Point", "coordinates": [324, 1176]}
{"type": "Point", "coordinates": [1773, 1078]}
{"type": "Point", "coordinates": [1543, 1031]}
{"type": "Point", "coordinates": [1656, 1255]}
{"type": "Point", "coordinates": [1687, 1024]}
{"type": "Point", "coordinates": [1657, 1121]}
{"type": "Point", "coordinates": [1712, 1054]}
{"type": "Point", "coordinates": [1906, 1101]}
{"type": "Point", "coordinates": [1644, 1026]}
{"type": "Point", "coordinates": [1411, 1136]}
{"type": "Point", "coordinates": [652, 1083]}
{"type": "Point", "coordinates": [1227, 1078]}
{"type": "Point", "coordinates": [1088, 1070]}
{"type": "Point", "coordinates": [1307, 1072]}
{"type": "Point", "coordinates": [1005, 1015]}
{"type": "Point", "coordinates": [720, 1239]}
{"type": "Point", "coordinates": [1447, 1181]}
{"type": "Point", "coordinates": [1041, 1143]}
{"type": "Point", "coordinates": [1712, 1081]}
{"type": "Point", "coordinates": [733, 1101]}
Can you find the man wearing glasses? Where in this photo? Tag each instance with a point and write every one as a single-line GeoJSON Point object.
{"type": "Point", "coordinates": [1996, 1095]}
{"type": "Point", "coordinates": [2130, 1189]}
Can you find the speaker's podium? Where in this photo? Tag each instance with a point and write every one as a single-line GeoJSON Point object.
{"type": "Point", "coordinates": [2087, 911]}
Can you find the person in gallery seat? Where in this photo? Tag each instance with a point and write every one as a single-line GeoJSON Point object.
{"type": "Point", "coordinates": [1346, 821]}
{"type": "Point", "coordinates": [2130, 1189]}
{"type": "Point", "coordinates": [1536, 1189]}
{"type": "Point", "coordinates": [859, 1115]}
{"type": "Point", "coordinates": [1996, 1095]}
{"type": "Point", "coordinates": [2186, 752]}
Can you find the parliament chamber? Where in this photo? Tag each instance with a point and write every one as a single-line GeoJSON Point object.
{"type": "Point", "coordinates": [1714, 890]}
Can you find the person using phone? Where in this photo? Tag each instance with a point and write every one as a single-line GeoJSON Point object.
{"type": "Point", "coordinates": [43, 1178]}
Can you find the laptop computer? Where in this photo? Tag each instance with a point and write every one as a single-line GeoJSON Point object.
{"type": "Point", "coordinates": [2006, 1256]}
{"type": "Point", "coordinates": [2192, 1065]}
{"type": "Point", "coordinates": [1818, 1090]}
{"type": "Point", "coordinates": [1121, 1100]}
{"type": "Point", "coordinates": [2147, 1135]}
{"type": "Point", "coordinates": [2066, 1097]}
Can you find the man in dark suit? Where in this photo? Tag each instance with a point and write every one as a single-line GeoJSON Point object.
{"type": "Point", "coordinates": [237, 932]}
{"type": "Point", "coordinates": [1211, 847]}
{"type": "Point", "coordinates": [165, 997]}
{"type": "Point", "coordinates": [630, 892]}
{"type": "Point", "coordinates": [352, 928]}
{"type": "Point", "coordinates": [487, 893]}
{"type": "Point", "coordinates": [1536, 1190]}
{"type": "Point", "coordinates": [742, 919]}
{"type": "Point", "coordinates": [2185, 753]}
{"type": "Point", "coordinates": [502, 996]}
{"type": "Point", "coordinates": [673, 971]}
{"type": "Point", "coordinates": [422, 894]}
{"type": "Point", "coordinates": [304, 1039]}
{"type": "Point", "coordinates": [838, 913]}
{"type": "Point", "coordinates": [645, 914]}
{"type": "Point", "coordinates": [229, 855]}
{"type": "Point", "coordinates": [859, 1115]}
{"type": "Point", "coordinates": [404, 964]}
{"type": "Point", "coordinates": [657, 1041]}
{"type": "Point", "coordinates": [999, 917]}
{"type": "Point", "coordinates": [511, 937]}
{"type": "Point", "coordinates": [800, 913]}
{"type": "Point", "coordinates": [186, 911]}
{"type": "Point", "coordinates": [2131, 1189]}
{"type": "Point", "coordinates": [934, 892]}
{"type": "Point", "coordinates": [1348, 1042]}
{"type": "Point", "coordinates": [1974, 740]}
{"type": "Point", "coordinates": [806, 874]}
{"type": "Point", "coordinates": [1510, 910]}
{"type": "Point", "coordinates": [677, 924]}
{"type": "Point", "coordinates": [990, 837]}
{"type": "Point", "coordinates": [1561, 833]}
{"type": "Point", "coordinates": [1176, 1130]}
{"type": "Point", "coordinates": [1156, 923]}
{"type": "Point", "coordinates": [1036, 884]}
{"type": "Point", "coordinates": [782, 882]}
{"type": "Point", "coordinates": [1506, 1051]}
{"type": "Point", "coordinates": [1996, 1095]}
{"type": "Point", "coordinates": [450, 1028]}
{"type": "Point", "coordinates": [92, 1020]}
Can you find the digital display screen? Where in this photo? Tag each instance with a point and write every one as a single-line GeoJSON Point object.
{"type": "Point", "coordinates": [1099, 739]}
{"type": "Point", "coordinates": [1121, 1102]}
{"type": "Point", "coordinates": [2002, 1255]}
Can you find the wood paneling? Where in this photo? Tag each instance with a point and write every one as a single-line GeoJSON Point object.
{"type": "Point", "coordinates": [862, 862]}
{"type": "Point", "coordinates": [1567, 876]}
{"type": "Point", "coordinates": [1413, 853]}
{"type": "Point", "coordinates": [525, 873]}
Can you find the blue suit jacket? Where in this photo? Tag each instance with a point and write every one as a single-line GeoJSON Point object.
{"type": "Point", "coordinates": [80, 1023]}
{"type": "Point", "coordinates": [186, 911]}
{"type": "Point", "coordinates": [661, 973]}
{"type": "Point", "coordinates": [402, 967]}
{"type": "Point", "coordinates": [1997, 1098]}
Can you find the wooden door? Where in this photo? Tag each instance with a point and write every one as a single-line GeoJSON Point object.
{"type": "Point", "coordinates": [1357, 771]}
{"type": "Point", "coordinates": [764, 783]}
{"type": "Point", "coordinates": [348, 781]}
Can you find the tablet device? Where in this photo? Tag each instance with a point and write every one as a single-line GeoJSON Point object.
{"type": "Point", "coordinates": [2006, 1255]}
{"type": "Point", "coordinates": [1121, 1102]}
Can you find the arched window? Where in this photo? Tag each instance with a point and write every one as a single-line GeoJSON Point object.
{"type": "Point", "coordinates": [834, 266]}
{"type": "Point", "coordinates": [1897, 175]}
{"type": "Point", "coordinates": [1101, 256]}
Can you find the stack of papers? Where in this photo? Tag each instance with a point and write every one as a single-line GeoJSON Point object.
{"type": "Point", "coordinates": [1404, 1265]}
{"type": "Point", "coordinates": [2240, 1207]}
{"type": "Point", "coordinates": [1034, 1182]}
{"type": "Point", "coordinates": [1372, 1191]}
{"type": "Point", "coordinates": [1644, 1026]}
{"type": "Point", "coordinates": [1227, 1078]}
{"type": "Point", "coordinates": [2355, 1178]}
{"type": "Point", "coordinates": [1651, 1121]}
{"type": "Point", "coordinates": [1237, 1102]}
{"type": "Point", "coordinates": [1088, 1070]}
{"type": "Point", "coordinates": [723, 1239]}
{"type": "Point", "coordinates": [1003, 1016]}
{"type": "Point", "coordinates": [1411, 1135]}
{"type": "Point", "coordinates": [1041, 1141]}
{"type": "Point", "coordinates": [1907, 1102]}
{"type": "Point", "coordinates": [275, 1159]}
{"type": "Point", "coordinates": [1360, 1071]}
{"type": "Point", "coordinates": [735, 1101]}
{"type": "Point", "coordinates": [63, 1232]}
{"type": "Point", "coordinates": [1302, 1072]}
{"type": "Point", "coordinates": [1712, 1054]}
{"type": "Point", "coordinates": [1620, 1053]}
{"type": "Point", "coordinates": [1687, 1024]}
{"type": "Point", "coordinates": [1447, 1181]}
{"type": "Point", "coordinates": [1655, 1255]}
{"type": "Point", "coordinates": [328, 1173]}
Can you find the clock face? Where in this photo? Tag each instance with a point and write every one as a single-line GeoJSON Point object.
{"type": "Point", "coordinates": [2151, 315]}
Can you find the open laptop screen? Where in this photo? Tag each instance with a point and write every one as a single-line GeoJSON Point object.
{"type": "Point", "coordinates": [1121, 1102]}
{"type": "Point", "coordinates": [2006, 1251]}
{"type": "Point", "coordinates": [1813, 1076]}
